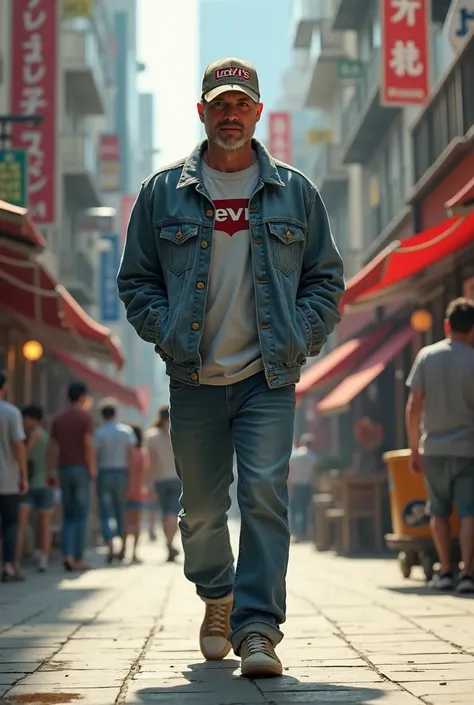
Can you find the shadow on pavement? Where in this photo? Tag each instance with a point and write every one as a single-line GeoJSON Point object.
{"type": "Point", "coordinates": [425, 591]}
{"type": "Point", "coordinates": [218, 684]}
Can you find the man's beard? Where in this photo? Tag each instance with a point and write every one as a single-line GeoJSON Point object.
{"type": "Point", "coordinates": [231, 145]}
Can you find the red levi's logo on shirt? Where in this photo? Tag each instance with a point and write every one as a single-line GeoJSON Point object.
{"type": "Point", "coordinates": [231, 72]}
{"type": "Point", "coordinates": [232, 215]}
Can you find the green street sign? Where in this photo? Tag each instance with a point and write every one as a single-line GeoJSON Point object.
{"type": "Point", "coordinates": [350, 69]}
{"type": "Point", "coordinates": [14, 176]}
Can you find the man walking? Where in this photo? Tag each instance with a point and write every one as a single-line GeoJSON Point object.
{"type": "Point", "coordinates": [114, 443]}
{"type": "Point", "coordinates": [13, 480]}
{"type": "Point", "coordinates": [442, 391]}
{"type": "Point", "coordinates": [71, 449]}
{"type": "Point", "coordinates": [301, 485]}
{"type": "Point", "coordinates": [234, 330]}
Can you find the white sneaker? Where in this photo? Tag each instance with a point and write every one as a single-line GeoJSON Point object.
{"type": "Point", "coordinates": [259, 659]}
{"type": "Point", "coordinates": [442, 581]}
{"type": "Point", "coordinates": [215, 629]}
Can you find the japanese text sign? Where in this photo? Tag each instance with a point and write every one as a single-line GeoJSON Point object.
{"type": "Point", "coordinates": [13, 176]}
{"type": "Point", "coordinates": [34, 81]}
{"type": "Point", "coordinates": [405, 52]}
{"type": "Point", "coordinates": [279, 136]}
{"type": "Point", "coordinates": [109, 264]}
{"type": "Point", "coordinates": [460, 23]}
{"type": "Point", "coordinates": [109, 163]}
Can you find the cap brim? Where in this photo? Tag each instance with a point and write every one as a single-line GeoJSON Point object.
{"type": "Point", "coordinates": [231, 87]}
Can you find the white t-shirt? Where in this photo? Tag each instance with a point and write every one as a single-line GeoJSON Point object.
{"type": "Point", "coordinates": [302, 466]}
{"type": "Point", "coordinates": [11, 431]}
{"type": "Point", "coordinates": [158, 443]}
{"type": "Point", "coordinates": [230, 346]}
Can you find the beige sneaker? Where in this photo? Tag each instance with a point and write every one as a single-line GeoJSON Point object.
{"type": "Point", "coordinates": [259, 659]}
{"type": "Point", "coordinates": [215, 629]}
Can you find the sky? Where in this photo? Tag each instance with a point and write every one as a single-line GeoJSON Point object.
{"type": "Point", "coordinates": [168, 36]}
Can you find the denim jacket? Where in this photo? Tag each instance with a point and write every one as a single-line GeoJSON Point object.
{"type": "Point", "coordinates": [297, 269]}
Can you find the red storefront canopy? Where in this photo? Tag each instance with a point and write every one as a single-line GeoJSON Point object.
{"type": "Point", "coordinates": [403, 260]}
{"type": "Point", "coordinates": [104, 385]}
{"type": "Point", "coordinates": [14, 223]}
{"type": "Point", "coordinates": [30, 294]}
{"type": "Point", "coordinates": [462, 202]}
{"type": "Point", "coordinates": [339, 399]}
{"type": "Point", "coordinates": [338, 361]}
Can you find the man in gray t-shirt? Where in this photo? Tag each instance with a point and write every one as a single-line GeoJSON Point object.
{"type": "Point", "coordinates": [441, 402]}
{"type": "Point", "coordinates": [13, 479]}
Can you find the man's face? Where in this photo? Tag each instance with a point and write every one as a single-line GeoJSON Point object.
{"type": "Point", "coordinates": [230, 119]}
{"type": "Point", "coordinates": [29, 423]}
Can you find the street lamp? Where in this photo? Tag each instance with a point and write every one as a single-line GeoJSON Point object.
{"type": "Point", "coordinates": [32, 352]}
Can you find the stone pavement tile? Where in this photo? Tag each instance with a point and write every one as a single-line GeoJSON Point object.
{"type": "Point", "coordinates": [29, 642]}
{"type": "Point", "coordinates": [143, 696]}
{"type": "Point", "coordinates": [418, 647]}
{"type": "Point", "coordinates": [388, 636]}
{"type": "Point", "coordinates": [446, 687]}
{"type": "Point", "coordinates": [421, 673]}
{"type": "Point", "coordinates": [31, 695]}
{"type": "Point", "coordinates": [341, 696]}
{"type": "Point", "coordinates": [84, 662]}
{"type": "Point", "coordinates": [77, 647]}
{"type": "Point", "coordinates": [18, 667]}
{"type": "Point", "coordinates": [238, 690]}
{"type": "Point", "coordinates": [80, 679]}
{"type": "Point", "coordinates": [425, 659]}
{"type": "Point", "coordinates": [10, 678]}
{"type": "Point", "coordinates": [448, 700]}
{"type": "Point", "coordinates": [316, 678]}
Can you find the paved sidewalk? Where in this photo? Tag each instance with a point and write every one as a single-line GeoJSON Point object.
{"type": "Point", "coordinates": [357, 633]}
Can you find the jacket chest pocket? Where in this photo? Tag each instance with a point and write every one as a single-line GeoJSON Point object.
{"type": "Point", "coordinates": [285, 243]}
{"type": "Point", "coordinates": [178, 243]}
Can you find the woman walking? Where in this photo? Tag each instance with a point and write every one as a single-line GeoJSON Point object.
{"type": "Point", "coordinates": [137, 493]}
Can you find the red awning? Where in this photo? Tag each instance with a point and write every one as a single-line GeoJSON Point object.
{"type": "Point", "coordinates": [403, 260]}
{"type": "Point", "coordinates": [340, 398]}
{"type": "Point", "coordinates": [14, 223]}
{"type": "Point", "coordinates": [463, 202]}
{"type": "Point", "coordinates": [347, 355]}
{"type": "Point", "coordinates": [103, 385]}
{"type": "Point", "coordinates": [29, 293]}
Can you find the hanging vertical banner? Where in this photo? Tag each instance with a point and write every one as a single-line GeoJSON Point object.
{"type": "Point", "coordinates": [109, 163]}
{"type": "Point", "coordinates": [109, 264]}
{"type": "Point", "coordinates": [405, 52]}
{"type": "Point", "coordinates": [279, 136]}
{"type": "Point", "coordinates": [126, 205]}
{"type": "Point", "coordinates": [33, 92]}
{"type": "Point", "coordinates": [14, 177]}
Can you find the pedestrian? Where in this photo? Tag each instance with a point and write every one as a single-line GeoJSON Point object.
{"type": "Point", "coordinates": [114, 444]}
{"type": "Point", "coordinates": [40, 496]}
{"type": "Point", "coordinates": [71, 452]}
{"type": "Point", "coordinates": [13, 480]}
{"type": "Point", "coordinates": [301, 485]}
{"type": "Point", "coordinates": [167, 483]}
{"type": "Point", "coordinates": [441, 405]}
{"type": "Point", "coordinates": [137, 492]}
{"type": "Point", "coordinates": [234, 335]}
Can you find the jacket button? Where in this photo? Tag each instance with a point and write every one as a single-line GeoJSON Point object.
{"type": "Point", "coordinates": [200, 285]}
{"type": "Point", "coordinates": [195, 326]}
{"type": "Point", "coordinates": [194, 377]}
{"type": "Point", "coordinates": [209, 213]}
{"type": "Point", "coordinates": [288, 234]}
{"type": "Point", "coordinates": [204, 244]}
{"type": "Point", "coordinates": [179, 235]}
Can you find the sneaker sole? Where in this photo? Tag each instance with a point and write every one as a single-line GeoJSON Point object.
{"type": "Point", "coordinates": [218, 657]}
{"type": "Point", "coordinates": [254, 670]}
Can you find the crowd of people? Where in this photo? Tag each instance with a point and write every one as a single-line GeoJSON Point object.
{"type": "Point", "coordinates": [132, 470]}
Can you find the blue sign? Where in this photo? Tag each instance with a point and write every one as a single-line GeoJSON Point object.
{"type": "Point", "coordinates": [460, 22]}
{"type": "Point", "coordinates": [415, 514]}
{"type": "Point", "coordinates": [109, 264]}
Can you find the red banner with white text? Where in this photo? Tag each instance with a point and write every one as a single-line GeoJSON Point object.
{"type": "Point", "coordinates": [280, 137]}
{"type": "Point", "coordinates": [34, 92]}
{"type": "Point", "coordinates": [405, 52]}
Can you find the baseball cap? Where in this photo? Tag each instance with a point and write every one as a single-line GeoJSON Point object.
{"type": "Point", "coordinates": [230, 75]}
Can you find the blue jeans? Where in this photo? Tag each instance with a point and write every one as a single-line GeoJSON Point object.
{"type": "Point", "coordinates": [75, 495]}
{"type": "Point", "coordinates": [112, 501]}
{"type": "Point", "coordinates": [300, 502]}
{"type": "Point", "coordinates": [207, 422]}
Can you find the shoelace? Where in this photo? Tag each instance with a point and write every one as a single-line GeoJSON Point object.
{"type": "Point", "coordinates": [217, 618]}
{"type": "Point", "coordinates": [257, 643]}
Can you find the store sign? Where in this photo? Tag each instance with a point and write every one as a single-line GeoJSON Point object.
{"type": "Point", "coordinates": [109, 163]}
{"type": "Point", "coordinates": [109, 264]}
{"type": "Point", "coordinates": [350, 69]}
{"type": "Point", "coordinates": [405, 52]}
{"type": "Point", "coordinates": [279, 136]}
{"type": "Point", "coordinates": [77, 8]}
{"type": "Point", "coordinates": [33, 81]}
{"type": "Point", "coordinates": [460, 23]}
{"type": "Point", "coordinates": [319, 137]}
{"type": "Point", "coordinates": [14, 176]}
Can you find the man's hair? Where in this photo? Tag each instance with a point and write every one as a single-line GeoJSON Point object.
{"type": "Point", "coordinates": [460, 314]}
{"type": "Point", "coordinates": [33, 412]}
{"type": "Point", "coordinates": [3, 379]}
{"type": "Point", "coordinates": [138, 435]}
{"type": "Point", "coordinates": [76, 391]}
{"type": "Point", "coordinates": [108, 411]}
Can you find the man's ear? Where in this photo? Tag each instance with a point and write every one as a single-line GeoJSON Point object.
{"type": "Point", "coordinates": [200, 108]}
{"type": "Point", "coordinates": [259, 111]}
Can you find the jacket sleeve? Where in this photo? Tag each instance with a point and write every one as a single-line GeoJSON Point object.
{"type": "Point", "coordinates": [322, 278]}
{"type": "Point", "coordinates": [140, 279]}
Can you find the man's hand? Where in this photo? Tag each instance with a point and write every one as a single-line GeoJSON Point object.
{"type": "Point", "coordinates": [24, 486]}
{"type": "Point", "coordinates": [416, 462]}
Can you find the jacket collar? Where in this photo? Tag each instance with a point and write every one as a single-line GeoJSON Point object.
{"type": "Point", "coordinates": [191, 173]}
